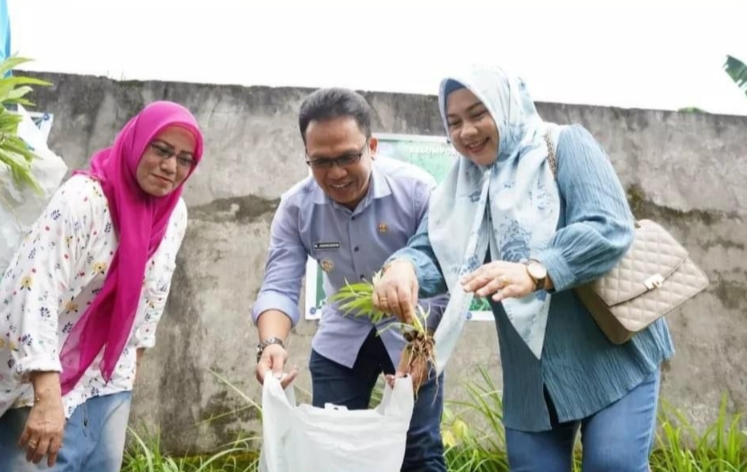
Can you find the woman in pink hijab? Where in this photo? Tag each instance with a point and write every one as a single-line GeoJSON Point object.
{"type": "Point", "coordinates": [81, 298]}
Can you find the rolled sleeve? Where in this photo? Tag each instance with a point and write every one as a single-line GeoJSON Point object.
{"type": "Point", "coordinates": [145, 336]}
{"type": "Point", "coordinates": [271, 300]}
{"type": "Point", "coordinates": [41, 362]}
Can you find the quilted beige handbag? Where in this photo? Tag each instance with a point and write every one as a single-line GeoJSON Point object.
{"type": "Point", "coordinates": [655, 277]}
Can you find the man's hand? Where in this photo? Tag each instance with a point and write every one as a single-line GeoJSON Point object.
{"type": "Point", "coordinates": [45, 426]}
{"type": "Point", "coordinates": [396, 292]}
{"type": "Point", "coordinates": [273, 361]}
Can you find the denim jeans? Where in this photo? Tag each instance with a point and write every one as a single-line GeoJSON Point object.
{"type": "Point", "coordinates": [618, 438]}
{"type": "Point", "coordinates": [340, 385]}
{"type": "Point", "coordinates": [93, 441]}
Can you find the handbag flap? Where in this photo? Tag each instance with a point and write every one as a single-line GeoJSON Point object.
{"type": "Point", "coordinates": [651, 259]}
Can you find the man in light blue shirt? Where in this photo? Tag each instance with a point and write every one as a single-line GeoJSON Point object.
{"type": "Point", "coordinates": [350, 215]}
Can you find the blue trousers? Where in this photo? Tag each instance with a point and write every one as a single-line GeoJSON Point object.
{"type": "Point", "coordinates": [93, 441]}
{"type": "Point", "coordinates": [618, 438]}
{"type": "Point", "coordinates": [340, 385]}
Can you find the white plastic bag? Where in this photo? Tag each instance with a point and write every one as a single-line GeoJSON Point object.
{"type": "Point", "coordinates": [333, 439]}
{"type": "Point", "coordinates": [20, 207]}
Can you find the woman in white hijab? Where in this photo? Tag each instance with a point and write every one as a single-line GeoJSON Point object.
{"type": "Point", "coordinates": [507, 225]}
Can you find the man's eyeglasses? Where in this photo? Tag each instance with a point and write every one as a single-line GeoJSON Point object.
{"type": "Point", "coordinates": [182, 160]}
{"type": "Point", "coordinates": [342, 161]}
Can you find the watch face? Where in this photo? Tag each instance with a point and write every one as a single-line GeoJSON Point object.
{"type": "Point", "coordinates": [537, 270]}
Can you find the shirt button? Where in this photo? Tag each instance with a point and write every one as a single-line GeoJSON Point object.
{"type": "Point", "coordinates": [363, 276]}
{"type": "Point", "coordinates": [355, 249]}
{"type": "Point", "coordinates": [352, 218]}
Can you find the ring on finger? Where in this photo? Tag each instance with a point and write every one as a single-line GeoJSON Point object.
{"type": "Point", "coordinates": [33, 444]}
{"type": "Point", "coordinates": [383, 300]}
{"type": "Point", "coordinates": [503, 280]}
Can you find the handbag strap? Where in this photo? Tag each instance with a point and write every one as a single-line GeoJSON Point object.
{"type": "Point", "coordinates": [553, 161]}
{"type": "Point", "coordinates": [551, 155]}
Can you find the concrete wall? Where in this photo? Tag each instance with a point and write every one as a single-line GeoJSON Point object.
{"type": "Point", "coordinates": [686, 170]}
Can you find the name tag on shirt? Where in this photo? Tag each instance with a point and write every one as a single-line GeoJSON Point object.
{"type": "Point", "coordinates": [328, 245]}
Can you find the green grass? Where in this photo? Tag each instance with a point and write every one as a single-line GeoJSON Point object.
{"type": "Point", "coordinates": [474, 440]}
{"type": "Point", "coordinates": [721, 448]}
{"type": "Point", "coordinates": [145, 455]}
{"type": "Point", "coordinates": [470, 446]}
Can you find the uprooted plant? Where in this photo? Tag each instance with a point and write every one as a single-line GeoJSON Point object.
{"type": "Point", "coordinates": [419, 355]}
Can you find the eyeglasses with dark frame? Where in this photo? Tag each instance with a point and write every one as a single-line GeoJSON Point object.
{"type": "Point", "coordinates": [342, 161]}
{"type": "Point", "coordinates": [165, 153]}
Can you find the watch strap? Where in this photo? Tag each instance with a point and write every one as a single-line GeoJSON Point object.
{"type": "Point", "coordinates": [268, 342]}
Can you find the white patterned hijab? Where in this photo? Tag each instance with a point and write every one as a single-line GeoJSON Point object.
{"type": "Point", "coordinates": [510, 207]}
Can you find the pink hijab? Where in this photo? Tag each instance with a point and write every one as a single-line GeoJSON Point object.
{"type": "Point", "coordinates": [141, 221]}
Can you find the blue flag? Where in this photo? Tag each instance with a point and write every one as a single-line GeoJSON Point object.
{"type": "Point", "coordinates": [4, 30]}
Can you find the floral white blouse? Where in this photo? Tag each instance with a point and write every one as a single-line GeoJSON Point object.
{"type": "Point", "coordinates": [59, 268]}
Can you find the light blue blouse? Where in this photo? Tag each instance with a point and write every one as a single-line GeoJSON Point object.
{"type": "Point", "coordinates": [582, 371]}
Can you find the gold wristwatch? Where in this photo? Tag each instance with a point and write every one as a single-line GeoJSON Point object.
{"type": "Point", "coordinates": [538, 273]}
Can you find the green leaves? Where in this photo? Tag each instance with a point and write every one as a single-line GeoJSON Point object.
{"type": "Point", "coordinates": [17, 162]}
{"type": "Point", "coordinates": [14, 153]}
{"type": "Point", "coordinates": [357, 299]}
